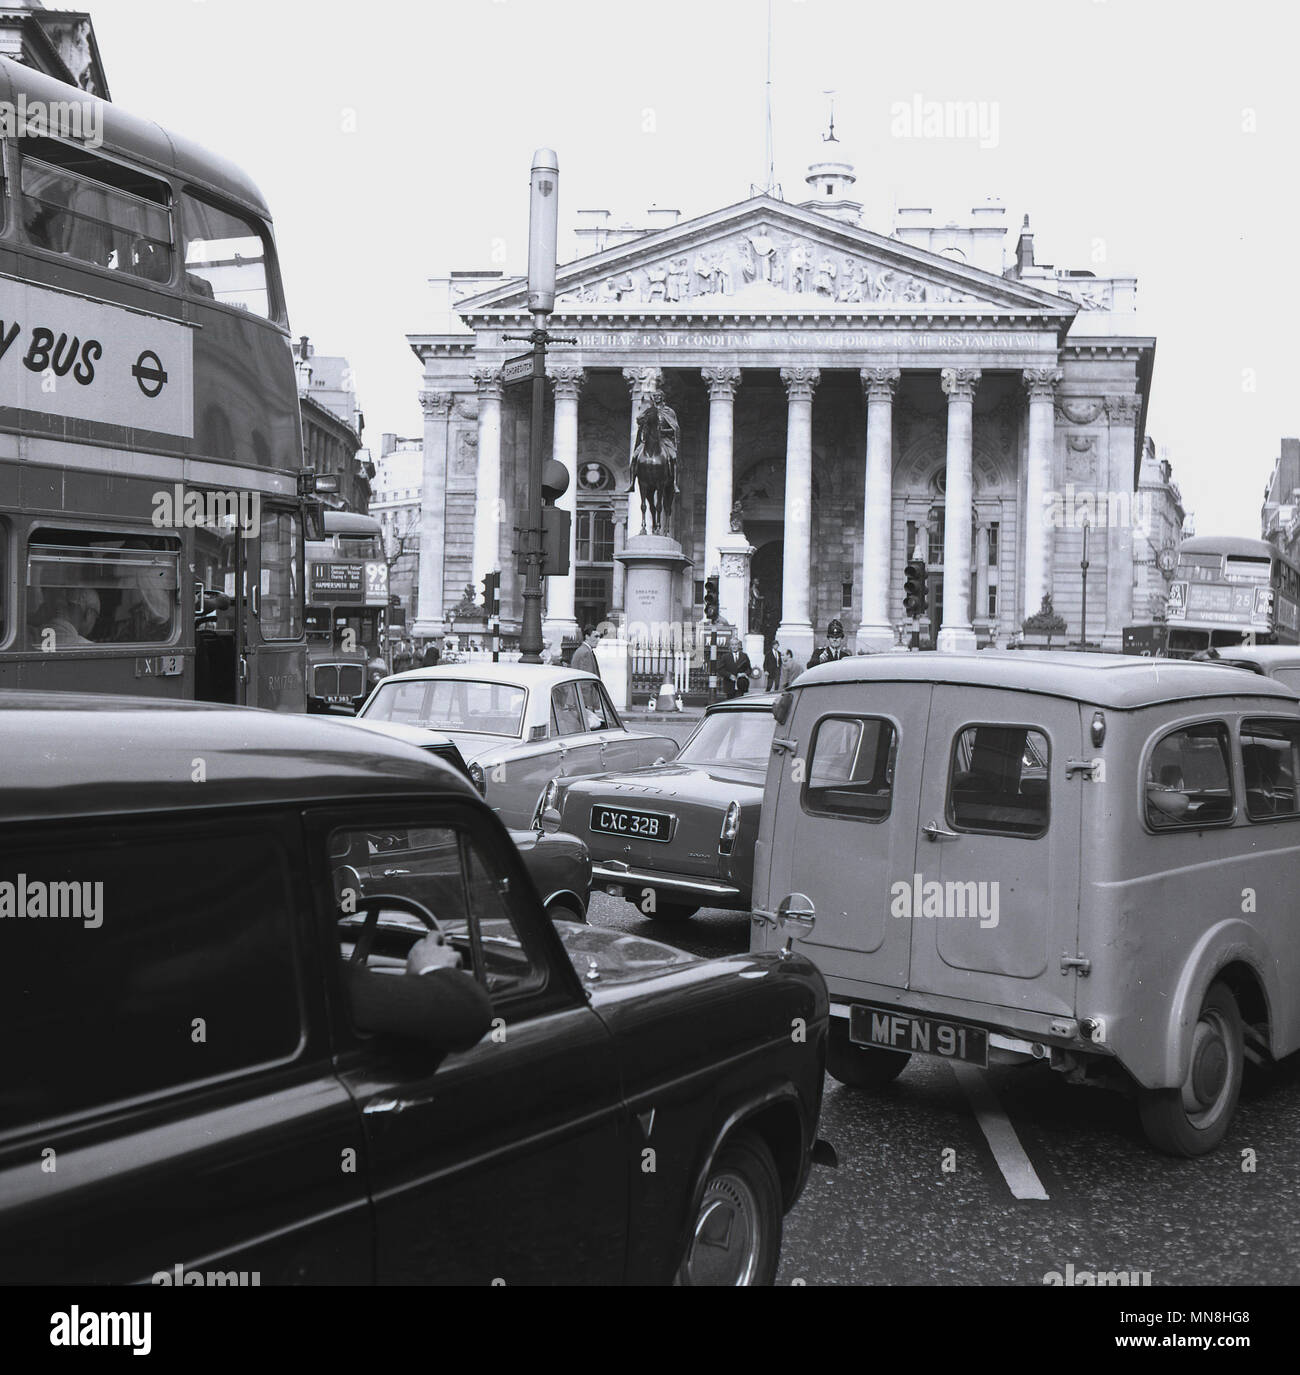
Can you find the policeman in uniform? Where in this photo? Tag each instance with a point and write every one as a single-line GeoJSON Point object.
{"type": "Point", "coordinates": [833, 649]}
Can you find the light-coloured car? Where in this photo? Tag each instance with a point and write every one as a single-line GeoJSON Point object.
{"type": "Point", "coordinates": [517, 726]}
{"type": "Point", "coordinates": [678, 837]}
{"type": "Point", "coordinates": [1090, 860]}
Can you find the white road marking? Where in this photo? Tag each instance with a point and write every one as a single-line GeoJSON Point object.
{"type": "Point", "coordinates": [1000, 1134]}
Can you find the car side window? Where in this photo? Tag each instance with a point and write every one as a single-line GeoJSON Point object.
{"type": "Point", "coordinates": [152, 957]}
{"type": "Point", "coordinates": [566, 713]}
{"type": "Point", "coordinates": [594, 713]}
{"type": "Point", "coordinates": [1189, 779]}
{"type": "Point", "coordinates": [442, 869]}
{"type": "Point", "coordinates": [1270, 757]}
{"type": "Point", "coordinates": [611, 714]}
{"type": "Point", "coordinates": [851, 768]}
{"type": "Point", "coordinates": [403, 702]}
{"type": "Point", "coordinates": [998, 781]}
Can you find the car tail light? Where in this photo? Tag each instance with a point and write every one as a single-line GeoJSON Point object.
{"type": "Point", "coordinates": [548, 800]}
{"type": "Point", "coordinates": [730, 829]}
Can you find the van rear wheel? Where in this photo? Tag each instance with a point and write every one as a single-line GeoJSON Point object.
{"type": "Point", "coordinates": [860, 1067]}
{"type": "Point", "coordinates": [1194, 1118]}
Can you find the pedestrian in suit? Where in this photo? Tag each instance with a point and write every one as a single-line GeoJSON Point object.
{"type": "Point", "coordinates": [726, 663]}
{"type": "Point", "coordinates": [584, 657]}
{"type": "Point", "coordinates": [772, 666]}
{"type": "Point", "coordinates": [744, 669]}
{"type": "Point", "coordinates": [791, 668]}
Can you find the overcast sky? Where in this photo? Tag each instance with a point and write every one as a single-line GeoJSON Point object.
{"type": "Point", "coordinates": [393, 144]}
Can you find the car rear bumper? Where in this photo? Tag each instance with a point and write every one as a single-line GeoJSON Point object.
{"type": "Point", "coordinates": [706, 892]}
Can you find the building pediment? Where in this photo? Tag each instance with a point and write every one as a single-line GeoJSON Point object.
{"type": "Point", "coordinates": [766, 256]}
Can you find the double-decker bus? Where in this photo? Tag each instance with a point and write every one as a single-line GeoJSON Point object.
{"type": "Point", "coordinates": [347, 606]}
{"type": "Point", "coordinates": [151, 507]}
{"type": "Point", "coordinates": [1227, 590]}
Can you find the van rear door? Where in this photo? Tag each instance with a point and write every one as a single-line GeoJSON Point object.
{"type": "Point", "coordinates": [843, 827]}
{"type": "Point", "coordinates": [994, 901]}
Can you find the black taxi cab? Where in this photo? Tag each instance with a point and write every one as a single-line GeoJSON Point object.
{"type": "Point", "coordinates": [1090, 860]}
{"type": "Point", "coordinates": [283, 1001]}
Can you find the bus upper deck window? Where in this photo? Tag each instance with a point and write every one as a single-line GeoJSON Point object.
{"type": "Point", "coordinates": [225, 258]}
{"type": "Point", "coordinates": [101, 212]}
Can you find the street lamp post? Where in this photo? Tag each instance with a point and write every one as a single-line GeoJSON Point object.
{"type": "Point", "coordinates": [543, 219]}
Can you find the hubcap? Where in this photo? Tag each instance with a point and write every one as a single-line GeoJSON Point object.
{"type": "Point", "coordinates": [725, 1245]}
{"type": "Point", "coordinates": [1211, 1070]}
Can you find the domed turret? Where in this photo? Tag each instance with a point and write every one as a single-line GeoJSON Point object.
{"type": "Point", "coordinates": [830, 178]}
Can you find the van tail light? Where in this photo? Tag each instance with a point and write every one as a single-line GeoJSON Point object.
{"type": "Point", "coordinates": [730, 829]}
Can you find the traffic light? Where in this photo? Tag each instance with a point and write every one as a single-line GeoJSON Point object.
{"type": "Point", "coordinates": [711, 597]}
{"type": "Point", "coordinates": [556, 522]}
{"type": "Point", "coordinates": [915, 597]}
{"type": "Point", "coordinates": [491, 596]}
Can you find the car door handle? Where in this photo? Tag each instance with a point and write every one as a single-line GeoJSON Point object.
{"type": "Point", "coordinates": [933, 831]}
{"type": "Point", "coordinates": [393, 873]}
{"type": "Point", "coordinates": [394, 1105]}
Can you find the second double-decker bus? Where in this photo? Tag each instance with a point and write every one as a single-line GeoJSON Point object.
{"type": "Point", "coordinates": [1227, 590]}
{"type": "Point", "coordinates": [347, 607]}
{"type": "Point", "coordinates": [151, 508]}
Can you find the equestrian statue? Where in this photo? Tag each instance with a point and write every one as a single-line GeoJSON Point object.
{"type": "Point", "coordinates": [654, 463]}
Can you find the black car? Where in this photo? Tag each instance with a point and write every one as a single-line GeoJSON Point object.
{"type": "Point", "coordinates": [280, 1007]}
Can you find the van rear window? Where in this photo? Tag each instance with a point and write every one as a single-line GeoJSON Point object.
{"type": "Point", "coordinates": [998, 782]}
{"type": "Point", "coordinates": [1189, 779]}
{"type": "Point", "coordinates": [851, 768]}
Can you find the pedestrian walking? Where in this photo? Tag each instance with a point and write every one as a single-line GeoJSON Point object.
{"type": "Point", "coordinates": [584, 657]}
{"type": "Point", "coordinates": [772, 665]}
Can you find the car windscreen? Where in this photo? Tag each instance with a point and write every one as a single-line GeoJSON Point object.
{"type": "Point", "coordinates": [450, 704]}
{"type": "Point", "coordinates": [737, 737]}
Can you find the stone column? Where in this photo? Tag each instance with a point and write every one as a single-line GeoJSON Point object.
{"type": "Point", "coordinates": [559, 620]}
{"type": "Point", "coordinates": [722, 384]}
{"type": "Point", "coordinates": [796, 631]}
{"type": "Point", "coordinates": [436, 406]}
{"type": "Point", "coordinates": [981, 572]}
{"type": "Point", "coordinates": [1122, 414]}
{"type": "Point", "coordinates": [488, 509]}
{"type": "Point", "coordinates": [642, 381]}
{"type": "Point", "coordinates": [618, 591]}
{"type": "Point", "coordinates": [1040, 383]}
{"type": "Point", "coordinates": [876, 632]}
{"type": "Point", "coordinates": [956, 632]}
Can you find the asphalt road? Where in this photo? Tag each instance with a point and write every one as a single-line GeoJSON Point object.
{"type": "Point", "coordinates": [921, 1196]}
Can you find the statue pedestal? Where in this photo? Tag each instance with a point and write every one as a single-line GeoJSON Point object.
{"type": "Point", "coordinates": [652, 595]}
{"type": "Point", "coordinates": [733, 581]}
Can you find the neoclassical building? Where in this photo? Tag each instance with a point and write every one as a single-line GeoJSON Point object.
{"type": "Point", "coordinates": [845, 398]}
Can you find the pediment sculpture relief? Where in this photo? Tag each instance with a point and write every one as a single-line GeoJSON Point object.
{"type": "Point", "coordinates": [762, 262]}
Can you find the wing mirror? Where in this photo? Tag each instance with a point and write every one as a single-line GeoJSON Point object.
{"type": "Point", "coordinates": [795, 918]}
